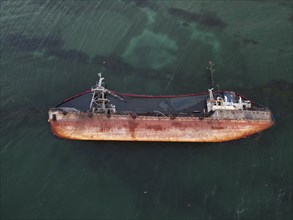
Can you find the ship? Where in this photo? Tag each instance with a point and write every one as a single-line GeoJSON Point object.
{"type": "Point", "coordinates": [101, 114]}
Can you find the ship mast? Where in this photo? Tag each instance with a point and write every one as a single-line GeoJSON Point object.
{"type": "Point", "coordinates": [211, 68]}
{"type": "Point", "coordinates": [226, 101]}
{"type": "Point", "coordinates": [99, 102]}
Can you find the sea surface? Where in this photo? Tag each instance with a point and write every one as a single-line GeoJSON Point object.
{"type": "Point", "coordinates": [53, 49]}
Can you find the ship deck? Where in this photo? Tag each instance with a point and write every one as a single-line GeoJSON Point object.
{"type": "Point", "coordinates": [142, 104]}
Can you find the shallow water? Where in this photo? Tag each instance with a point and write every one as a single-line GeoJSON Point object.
{"type": "Point", "coordinates": [51, 50]}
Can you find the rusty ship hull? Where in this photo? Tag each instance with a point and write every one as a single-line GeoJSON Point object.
{"type": "Point", "coordinates": [218, 128]}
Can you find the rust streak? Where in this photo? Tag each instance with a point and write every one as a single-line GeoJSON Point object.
{"type": "Point", "coordinates": [132, 125]}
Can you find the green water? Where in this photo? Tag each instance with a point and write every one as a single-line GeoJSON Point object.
{"type": "Point", "coordinates": [51, 50]}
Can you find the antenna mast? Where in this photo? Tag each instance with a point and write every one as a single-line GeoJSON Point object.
{"type": "Point", "coordinates": [212, 69]}
{"type": "Point", "coordinates": [99, 102]}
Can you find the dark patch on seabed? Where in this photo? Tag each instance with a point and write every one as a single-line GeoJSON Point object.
{"type": "Point", "coordinates": [206, 18]}
{"type": "Point", "coordinates": [250, 41]}
{"type": "Point", "coordinates": [53, 47]}
{"type": "Point", "coordinates": [19, 42]}
{"type": "Point", "coordinates": [145, 4]}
